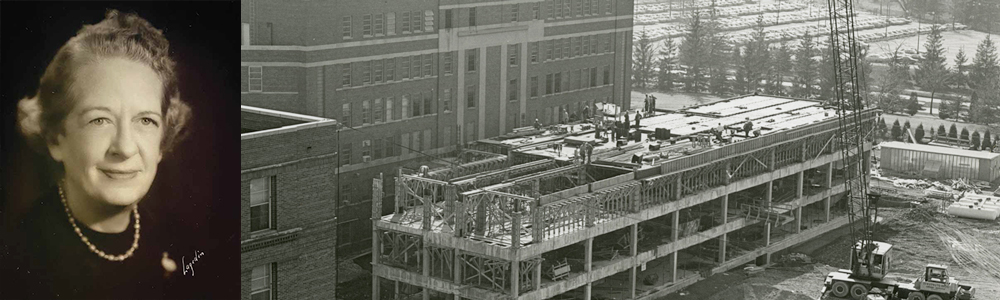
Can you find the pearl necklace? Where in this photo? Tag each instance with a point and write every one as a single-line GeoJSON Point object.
{"type": "Point", "coordinates": [135, 242]}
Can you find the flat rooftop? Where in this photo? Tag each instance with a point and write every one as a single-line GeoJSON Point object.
{"type": "Point", "coordinates": [689, 129]}
{"type": "Point", "coordinates": [256, 122]}
{"type": "Point", "coordinates": [940, 150]}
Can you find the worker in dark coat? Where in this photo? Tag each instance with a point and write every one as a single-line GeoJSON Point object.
{"type": "Point", "coordinates": [638, 116]}
{"type": "Point", "coordinates": [747, 127]}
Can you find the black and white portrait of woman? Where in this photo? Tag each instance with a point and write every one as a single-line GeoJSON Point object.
{"type": "Point", "coordinates": [112, 152]}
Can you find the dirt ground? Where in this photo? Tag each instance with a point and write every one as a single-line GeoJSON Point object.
{"type": "Point", "coordinates": [971, 249]}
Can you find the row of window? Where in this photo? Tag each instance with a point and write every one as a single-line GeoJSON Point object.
{"type": "Point", "coordinates": [384, 24]}
{"type": "Point", "coordinates": [558, 9]}
{"type": "Point", "coordinates": [380, 110]}
{"type": "Point", "coordinates": [262, 197]}
{"type": "Point", "coordinates": [390, 69]}
{"type": "Point", "coordinates": [386, 147]}
{"type": "Point", "coordinates": [572, 47]}
{"type": "Point", "coordinates": [567, 81]}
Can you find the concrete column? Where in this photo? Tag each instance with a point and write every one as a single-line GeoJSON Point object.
{"type": "Point", "coordinates": [634, 249]}
{"type": "Point", "coordinates": [722, 248]}
{"type": "Point", "coordinates": [457, 267]}
{"type": "Point", "coordinates": [773, 160]}
{"type": "Point", "coordinates": [826, 208]}
{"type": "Point", "coordinates": [829, 175]}
{"type": "Point", "coordinates": [725, 209]}
{"type": "Point", "coordinates": [538, 276]}
{"type": "Point", "coordinates": [427, 269]}
{"type": "Point", "coordinates": [587, 265]}
{"type": "Point", "coordinates": [767, 241]}
{"type": "Point", "coordinates": [798, 219]}
{"type": "Point", "coordinates": [767, 198]}
{"type": "Point", "coordinates": [676, 227]}
{"type": "Point", "coordinates": [674, 266]}
{"type": "Point", "coordinates": [375, 261]}
{"type": "Point", "coordinates": [678, 192]}
{"type": "Point", "coordinates": [515, 277]}
{"type": "Point", "coordinates": [801, 180]}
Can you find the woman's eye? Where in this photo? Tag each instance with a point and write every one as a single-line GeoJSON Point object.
{"type": "Point", "coordinates": [148, 121]}
{"type": "Point", "coordinates": [100, 121]}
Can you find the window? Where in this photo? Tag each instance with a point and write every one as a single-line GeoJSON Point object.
{"type": "Point", "coordinates": [366, 148]}
{"type": "Point", "coordinates": [428, 21]}
{"type": "Point", "coordinates": [447, 19]}
{"type": "Point", "coordinates": [593, 44]}
{"type": "Point", "coordinates": [427, 138]}
{"type": "Point", "coordinates": [534, 10]}
{"type": "Point", "coordinates": [513, 13]}
{"type": "Point", "coordinates": [586, 7]}
{"type": "Point", "coordinates": [378, 110]}
{"type": "Point", "coordinates": [261, 192]}
{"type": "Point", "coordinates": [388, 109]}
{"type": "Point", "coordinates": [405, 21]}
{"type": "Point", "coordinates": [260, 282]}
{"type": "Point", "coordinates": [390, 69]}
{"type": "Point", "coordinates": [558, 11]}
{"type": "Point", "coordinates": [379, 24]}
{"type": "Point", "coordinates": [404, 70]}
{"type": "Point", "coordinates": [567, 48]}
{"type": "Point", "coordinates": [389, 146]}
{"type": "Point", "coordinates": [470, 96]}
{"type": "Point", "coordinates": [416, 20]}
{"type": "Point", "coordinates": [378, 71]}
{"type": "Point", "coordinates": [557, 48]}
{"type": "Point", "coordinates": [607, 46]}
{"type": "Point", "coordinates": [585, 44]}
{"type": "Point", "coordinates": [446, 99]}
{"type": "Point", "coordinates": [548, 84]}
{"type": "Point", "coordinates": [549, 50]}
{"type": "Point", "coordinates": [417, 105]}
{"type": "Point", "coordinates": [428, 103]}
{"type": "Point", "coordinates": [471, 60]}
{"type": "Point", "coordinates": [472, 16]}
{"type": "Point", "coordinates": [406, 106]}
{"type": "Point", "coordinates": [447, 63]}
{"type": "Point", "coordinates": [415, 66]}
{"type": "Point", "coordinates": [390, 23]}
{"type": "Point", "coordinates": [366, 72]}
{"type": "Point", "coordinates": [377, 149]}
{"type": "Point", "coordinates": [345, 77]}
{"type": "Point", "coordinates": [574, 80]}
{"type": "Point", "coordinates": [534, 52]}
{"type": "Point", "coordinates": [345, 113]}
{"type": "Point", "coordinates": [593, 7]}
{"type": "Point", "coordinates": [576, 46]}
{"type": "Point", "coordinates": [534, 86]}
{"type": "Point", "coordinates": [579, 7]}
{"type": "Point", "coordinates": [366, 112]}
{"type": "Point", "coordinates": [514, 50]}
{"type": "Point", "coordinates": [345, 154]}
{"type": "Point", "coordinates": [585, 81]}
{"type": "Point", "coordinates": [593, 77]}
{"type": "Point", "coordinates": [256, 78]}
{"type": "Point", "coordinates": [345, 25]}
{"type": "Point", "coordinates": [607, 7]}
{"type": "Point", "coordinates": [558, 82]}
{"type": "Point", "coordinates": [512, 89]}
{"type": "Point", "coordinates": [607, 75]}
{"type": "Point", "coordinates": [416, 141]}
{"type": "Point", "coordinates": [366, 26]}
{"type": "Point", "coordinates": [428, 63]}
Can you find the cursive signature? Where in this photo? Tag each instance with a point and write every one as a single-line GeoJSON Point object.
{"type": "Point", "coordinates": [190, 266]}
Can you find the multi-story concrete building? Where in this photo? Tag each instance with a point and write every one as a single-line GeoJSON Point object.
{"type": "Point", "coordinates": [410, 79]}
{"type": "Point", "coordinates": [288, 201]}
{"type": "Point", "coordinates": [695, 195]}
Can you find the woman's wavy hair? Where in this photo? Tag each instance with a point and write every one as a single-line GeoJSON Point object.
{"type": "Point", "coordinates": [119, 35]}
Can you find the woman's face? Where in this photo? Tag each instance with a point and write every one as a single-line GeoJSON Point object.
{"type": "Point", "coordinates": [111, 141]}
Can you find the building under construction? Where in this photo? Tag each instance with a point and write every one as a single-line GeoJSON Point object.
{"type": "Point", "coordinates": [691, 194]}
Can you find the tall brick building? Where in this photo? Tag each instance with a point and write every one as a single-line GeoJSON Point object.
{"type": "Point", "coordinates": [288, 205]}
{"type": "Point", "coordinates": [406, 76]}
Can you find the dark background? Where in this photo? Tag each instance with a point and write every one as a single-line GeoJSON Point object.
{"type": "Point", "coordinates": [198, 197]}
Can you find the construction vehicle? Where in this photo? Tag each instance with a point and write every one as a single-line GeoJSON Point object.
{"type": "Point", "coordinates": [870, 260]}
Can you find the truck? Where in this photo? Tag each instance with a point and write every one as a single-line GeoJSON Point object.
{"type": "Point", "coordinates": [935, 284]}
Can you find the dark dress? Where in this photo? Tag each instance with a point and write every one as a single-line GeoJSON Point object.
{"type": "Point", "coordinates": [47, 260]}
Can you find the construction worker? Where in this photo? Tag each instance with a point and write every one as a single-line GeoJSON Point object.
{"type": "Point", "coordinates": [638, 116]}
{"type": "Point", "coordinates": [538, 125]}
{"type": "Point", "coordinates": [586, 111]}
{"type": "Point", "coordinates": [747, 127]}
{"type": "Point", "coordinates": [565, 116]}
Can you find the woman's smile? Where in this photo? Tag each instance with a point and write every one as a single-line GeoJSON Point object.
{"type": "Point", "coordinates": [119, 174]}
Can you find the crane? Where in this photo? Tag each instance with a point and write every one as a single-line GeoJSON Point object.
{"type": "Point", "coordinates": [870, 260]}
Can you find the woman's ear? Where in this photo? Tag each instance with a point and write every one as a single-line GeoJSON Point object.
{"type": "Point", "coordinates": [55, 148]}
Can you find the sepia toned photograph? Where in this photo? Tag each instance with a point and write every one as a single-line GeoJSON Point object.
{"type": "Point", "coordinates": [113, 161]}
{"type": "Point", "coordinates": [620, 149]}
